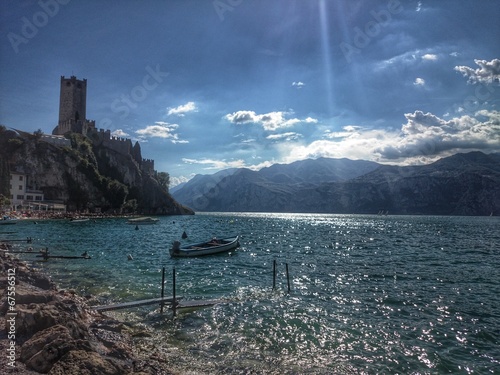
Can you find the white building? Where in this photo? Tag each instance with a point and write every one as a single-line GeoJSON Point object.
{"type": "Point", "coordinates": [17, 189]}
{"type": "Point", "coordinates": [23, 199]}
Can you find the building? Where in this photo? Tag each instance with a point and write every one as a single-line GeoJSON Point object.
{"type": "Point", "coordinates": [22, 198]}
{"type": "Point", "coordinates": [73, 107]}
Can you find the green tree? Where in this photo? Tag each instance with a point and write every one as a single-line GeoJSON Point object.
{"type": "Point", "coordinates": [164, 180]}
{"type": "Point", "coordinates": [4, 201]}
{"type": "Point", "coordinates": [38, 134]}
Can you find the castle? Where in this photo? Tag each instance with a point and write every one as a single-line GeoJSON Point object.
{"type": "Point", "coordinates": [73, 118]}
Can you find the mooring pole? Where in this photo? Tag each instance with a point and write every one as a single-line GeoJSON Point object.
{"type": "Point", "coordinates": [174, 301]}
{"type": "Point", "coordinates": [162, 288]}
{"type": "Point", "coordinates": [288, 278]}
{"type": "Point", "coordinates": [274, 274]}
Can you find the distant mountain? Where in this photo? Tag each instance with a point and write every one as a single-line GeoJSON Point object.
{"type": "Point", "coordinates": [463, 184]}
{"type": "Point", "coordinates": [202, 192]}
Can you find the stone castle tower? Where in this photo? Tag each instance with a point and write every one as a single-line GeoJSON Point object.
{"type": "Point", "coordinates": [72, 118]}
{"type": "Point", "coordinates": [73, 107]}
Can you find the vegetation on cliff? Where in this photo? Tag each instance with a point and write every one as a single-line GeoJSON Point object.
{"type": "Point", "coordinates": [85, 176]}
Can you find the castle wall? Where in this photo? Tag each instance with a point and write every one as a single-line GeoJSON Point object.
{"type": "Point", "coordinates": [148, 166]}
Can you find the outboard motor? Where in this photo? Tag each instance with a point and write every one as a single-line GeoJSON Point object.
{"type": "Point", "coordinates": [176, 246]}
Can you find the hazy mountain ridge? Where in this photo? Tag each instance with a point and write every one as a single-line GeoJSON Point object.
{"type": "Point", "coordinates": [462, 184]}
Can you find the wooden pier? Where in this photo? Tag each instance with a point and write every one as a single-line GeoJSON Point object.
{"type": "Point", "coordinates": [174, 303]}
{"type": "Point", "coordinates": [166, 301]}
{"type": "Point", "coordinates": [128, 305]}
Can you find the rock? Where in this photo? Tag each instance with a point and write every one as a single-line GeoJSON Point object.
{"type": "Point", "coordinates": [37, 317]}
{"type": "Point", "coordinates": [80, 362]}
{"type": "Point", "coordinates": [46, 347]}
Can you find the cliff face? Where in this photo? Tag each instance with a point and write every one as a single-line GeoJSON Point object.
{"type": "Point", "coordinates": [84, 176]}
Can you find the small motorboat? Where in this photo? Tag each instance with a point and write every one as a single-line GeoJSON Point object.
{"type": "Point", "coordinates": [213, 246]}
{"type": "Point", "coordinates": [7, 220]}
{"type": "Point", "coordinates": [143, 221]}
{"type": "Point", "coordinates": [78, 220]}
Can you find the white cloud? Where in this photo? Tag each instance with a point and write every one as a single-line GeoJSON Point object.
{"type": "Point", "coordinates": [419, 82]}
{"type": "Point", "coordinates": [216, 164]}
{"type": "Point", "coordinates": [174, 181]}
{"type": "Point", "coordinates": [270, 121]}
{"type": "Point", "coordinates": [298, 84]}
{"type": "Point", "coordinates": [423, 138]}
{"type": "Point", "coordinates": [289, 136]}
{"type": "Point", "coordinates": [488, 72]}
{"type": "Point", "coordinates": [160, 130]}
{"type": "Point", "coordinates": [419, 6]}
{"type": "Point", "coordinates": [120, 133]}
{"type": "Point", "coordinates": [182, 109]}
{"type": "Point", "coordinates": [429, 57]}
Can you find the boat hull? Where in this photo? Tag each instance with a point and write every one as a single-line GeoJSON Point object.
{"type": "Point", "coordinates": [206, 248]}
{"type": "Point", "coordinates": [143, 221]}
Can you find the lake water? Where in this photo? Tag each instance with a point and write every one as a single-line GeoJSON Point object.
{"type": "Point", "coordinates": [369, 294]}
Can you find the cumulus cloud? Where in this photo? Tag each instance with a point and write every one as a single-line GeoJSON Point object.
{"type": "Point", "coordinates": [161, 130]}
{"type": "Point", "coordinates": [270, 121]}
{"type": "Point", "coordinates": [419, 82]}
{"type": "Point", "coordinates": [120, 133]}
{"type": "Point", "coordinates": [182, 109]}
{"type": "Point", "coordinates": [429, 57]}
{"type": "Point", "coordinates": [298, 84]}
{"type": "Point", "coordinates": [423, 138]}
{"type": "Point", "coordinates": [488, 72]}
{"type": "Point", "coordinates": [425, 134]}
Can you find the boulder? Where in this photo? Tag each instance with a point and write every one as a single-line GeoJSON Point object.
{"type": "Point", "coordinates": [81, 362]}
{"type": "Point", "coordinates": [46, 347]}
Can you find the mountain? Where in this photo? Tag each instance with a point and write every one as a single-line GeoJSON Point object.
{"type": "Point", "coordinates": [268, 189]}
{"type": "Point", "coordinates": [463, 184]}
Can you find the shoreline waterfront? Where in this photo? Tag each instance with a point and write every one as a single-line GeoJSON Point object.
{"type": "Point", "coordinates": [44, 329]}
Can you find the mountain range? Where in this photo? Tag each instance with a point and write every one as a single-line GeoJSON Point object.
{"type": "Point", "coordinates": [462, 184]}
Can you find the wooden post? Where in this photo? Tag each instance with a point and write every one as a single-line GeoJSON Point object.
{"type": "Point", "coordinates": [162, 288]}
{"type": "Point", "coordinates": [288, 278]}
{"type": "Point", "coordinates": [274, 274]}
{"type": "Point", "coordinates": [174, 301]}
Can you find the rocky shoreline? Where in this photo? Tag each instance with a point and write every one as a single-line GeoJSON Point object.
{"type": "Point", "coordinates": [46, 330]}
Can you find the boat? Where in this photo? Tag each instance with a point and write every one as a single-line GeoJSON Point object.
{"type": "Point", "coordinates": [7, 220]}
{"type": "Point", "coordinates": [79, 220]}
{"type": "Point", "coordinates": [143, 221]}
{"type": "Point", "coordinates": [212, 246]}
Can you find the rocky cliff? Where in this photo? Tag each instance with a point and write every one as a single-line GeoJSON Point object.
{"type": "Point", "coordinates": [463, 184]}
{"type": "Point", "coordinates": [83, 176]}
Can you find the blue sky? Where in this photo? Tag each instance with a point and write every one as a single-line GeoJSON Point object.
{"type": "Point", "coordinates": [208, 85]}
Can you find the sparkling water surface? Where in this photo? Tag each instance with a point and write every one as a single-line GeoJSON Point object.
{"type": "Point", "coordinates": [369, 294]}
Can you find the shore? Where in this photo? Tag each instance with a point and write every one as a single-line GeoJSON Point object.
{"type": "Point", "coordinates": [46, 330]}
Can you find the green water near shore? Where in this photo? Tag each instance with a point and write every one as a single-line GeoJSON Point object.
{"type": "Point", "coordinates": [369, 294]}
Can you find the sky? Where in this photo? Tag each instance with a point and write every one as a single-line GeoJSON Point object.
{"type": "Point", "coordinates": [207, 85]}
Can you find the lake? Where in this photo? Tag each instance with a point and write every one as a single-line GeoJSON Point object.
{"type": "Point", "coordinates": [368, 294]}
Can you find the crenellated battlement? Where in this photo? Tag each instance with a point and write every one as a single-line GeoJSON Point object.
{"type": "Point", "coordinates": [148, 166]}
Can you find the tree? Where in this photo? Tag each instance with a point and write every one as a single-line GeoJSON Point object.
{"type": "Point", "coordinates": [4, 201]}
{"type": "Point", "coordinates": [38, 134]}
{"type": "Point", "coordinates": [164, 180]}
